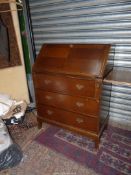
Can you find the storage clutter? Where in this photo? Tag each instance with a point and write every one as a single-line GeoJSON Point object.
{"type": "Point", "coordinates": [11, 112]}
{"type": "Point", "coordinates": [10, 153]}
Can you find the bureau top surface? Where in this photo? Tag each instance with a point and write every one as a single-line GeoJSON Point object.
{"type": "Point", "coordinates": [73, 59]}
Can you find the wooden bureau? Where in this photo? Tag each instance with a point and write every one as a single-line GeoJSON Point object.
{"type": "Point", "coordinates": [68, 81]}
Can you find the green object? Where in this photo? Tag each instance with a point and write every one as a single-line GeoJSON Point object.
{"type": "Point", "coordinates": [24, 42]}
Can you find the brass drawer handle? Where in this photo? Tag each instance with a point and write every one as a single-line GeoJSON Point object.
{"type": "Point", "coordinates": [47, 82]}
{"type": "Point", "coordinates": [49, 112]}
{"type": "Point", "coordinates": [71, 45]}
{"type": "Point", "coordinates": [79, 120]}
{"type": "Point", "coordinates": [79, 86]}
{"type": "Point", "coordinates": [48, 97]}
{"type": "Point", "coordinates": [79, 104]}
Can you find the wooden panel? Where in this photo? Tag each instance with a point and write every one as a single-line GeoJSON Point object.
{"type": "Point", "coordinates": [70, 103]}
{"type": "Point", "coordinates": [74, 59]}
{"type": "Point", "coordinates": [56, 51]}
{"type": "Point", "coordinates": [68, 118]}
{"type": "Point", "coordinates": [52, 57]}
{"type": "Point", "coordinates": [66, 85]}
{"type": "Point", "coordinates": [119, 76]}
{"type": "Point", "coordinates": [83, 58]}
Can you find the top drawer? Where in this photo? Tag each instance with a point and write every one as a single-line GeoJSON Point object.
{"type": "Point", "coordinates": [65, 85]}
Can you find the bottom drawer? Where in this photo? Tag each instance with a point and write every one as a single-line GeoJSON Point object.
{"type": "Point", "coordinates": [68, 118]}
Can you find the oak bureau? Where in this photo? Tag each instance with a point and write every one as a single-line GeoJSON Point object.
{"type": "Point", "coordinates": [68, 81]}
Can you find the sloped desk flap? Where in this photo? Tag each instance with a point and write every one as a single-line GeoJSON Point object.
{"type": "Point", "coordinates": [119, 76]}
{"type": "Point", "coordinates": [78, 59]}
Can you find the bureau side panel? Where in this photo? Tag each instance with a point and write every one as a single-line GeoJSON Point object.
{"type": "Point", "coordinates": [105, 104]}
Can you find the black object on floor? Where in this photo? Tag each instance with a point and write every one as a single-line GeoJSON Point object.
{"type": "Point", "coordinates": [10, 157]}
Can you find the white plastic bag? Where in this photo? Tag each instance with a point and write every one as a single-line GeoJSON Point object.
{"type": "Point", "coordinates": [5, 104]}
{"type": "Point", "coordinates": [5, 140]}
{"type": "Point", "coordinates": [10, 153]}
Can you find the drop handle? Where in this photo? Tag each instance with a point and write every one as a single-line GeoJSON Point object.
{"type": "Point", "coordinates": [79, 120]}
{"type": "Point", "coordinates": [49, 112]}
{"type": "Point", "coordinates": [79, 86]}
{"type": "Point", "coordinates": [47, 82]}
{"type": "Point", "coordinates": [48, 97]}
{"type": "Point", "coordinates": [79, 104]}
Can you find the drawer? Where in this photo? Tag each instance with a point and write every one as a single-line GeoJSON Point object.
{"type": "Point", "coordinates": [68, 118]}
{"type": "Point", "coordinates": [66, 85]}
{"type": "Point", "coordinates": [71, 103]}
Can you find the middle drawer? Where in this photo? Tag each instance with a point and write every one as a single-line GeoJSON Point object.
{"type": "Point", "coordinates": [67, 102]}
